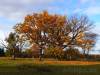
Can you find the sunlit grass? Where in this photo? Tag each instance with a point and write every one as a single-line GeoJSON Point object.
{"type": "Point", "coordinates": [31, 66]}
{"type": "Point", "coordinates": [9, 61]}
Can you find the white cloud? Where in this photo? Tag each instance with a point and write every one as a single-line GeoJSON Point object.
{"type": "Point", "coordinates": [84, 1]}
{"type": "Point", "coordinates": [5, 30]}
{"type": "Point", "coordinates": [5, 27]}
{"type": "Point", "coordinates": [96, 29]}
{"type": "Point", "coordinates": [16, 9]}
{"type": "Point", "coordinates": [90, 11]}
{"type": "Point", "coordinates": [1, 35]}
{"type": "Point", "coordinates": [93, 10]}
{"type": "Point", "coordinates": [88, 7]}
{"type": "Point", "coordinates": [88, 1]}
{"type": "Point", "coordinates": [77, 10]}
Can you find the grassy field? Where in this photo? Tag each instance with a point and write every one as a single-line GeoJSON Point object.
{"type": "Point", "coordinates": [47, 67]}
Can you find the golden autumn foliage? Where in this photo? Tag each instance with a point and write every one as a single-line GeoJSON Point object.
{"type": "Point", "coordinates": [54, 30]}
{"type": "Point", "coordinates": [42, 25]}
{"type": "Point", "coordinates": [44, 20]}
{"type": "Point", "coordinates": [87, 41]}
{"type": "Point", "coordinates": [56, 52]}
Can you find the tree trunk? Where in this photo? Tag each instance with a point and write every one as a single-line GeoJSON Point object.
{"type": "Point", "coordinates": [13, 56]}
{"type": "Point", "coordinates": [40, 56]}
{"type": "Point", "coordinates": [70, 58]}
{"type": "Point", "coordinates": [84, 52]}
{"type": "Point", "coordinates": [87, 54]}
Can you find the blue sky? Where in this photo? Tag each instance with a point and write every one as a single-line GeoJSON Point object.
{"type": "Point", "coordinates": [13, 11]}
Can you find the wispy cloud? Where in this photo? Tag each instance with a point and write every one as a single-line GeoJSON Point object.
{"type": "Point", "coordinates": [90, 11]}
{"type": "Point", "coordinates": [16, 9]}
{"type": "Point", "coordinates": [93, 10]}
{"type": "Point", "coordinates": [2, 36]}
{"type": "Point", "coordinates": [4, 31]}
{"type": "Point", "coordinates": [78, 10]}
{"type": "Point", "coordinates": [96, 29]}
{"type": "Point", "coordinates": [84, 1]}
{"type": "Point", "coordinates": [88, 1]}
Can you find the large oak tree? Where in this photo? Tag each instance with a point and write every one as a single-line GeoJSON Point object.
{"type": "Point", "coordinates": [47, 30]}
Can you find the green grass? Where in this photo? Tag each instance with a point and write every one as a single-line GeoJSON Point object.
{"type": "Point", "coordinates": [35, 67]}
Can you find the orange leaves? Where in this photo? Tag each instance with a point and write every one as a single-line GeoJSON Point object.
{"type": "Point", "coordinates": [28, 18]}
{"type": "Point", "coordinates": [80, 35]}
{"type": "Point", "coordinates": [25, 28]}
{"type": "Point", "coordinates": [54, 51]}
{"type": "Point", "coordinates": [45, 14]}
{"type": "Point", "coordinates": [44, 20]}
{"type": "Point", "coordinates": [61, 20]}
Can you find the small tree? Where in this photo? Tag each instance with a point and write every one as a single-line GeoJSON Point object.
{"type": "Point", "coordinates": [11, 44]}
{"type": "Point", "coordinates": [87, 42]}
{"type": "Point", "coordinates": [14, 45]}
